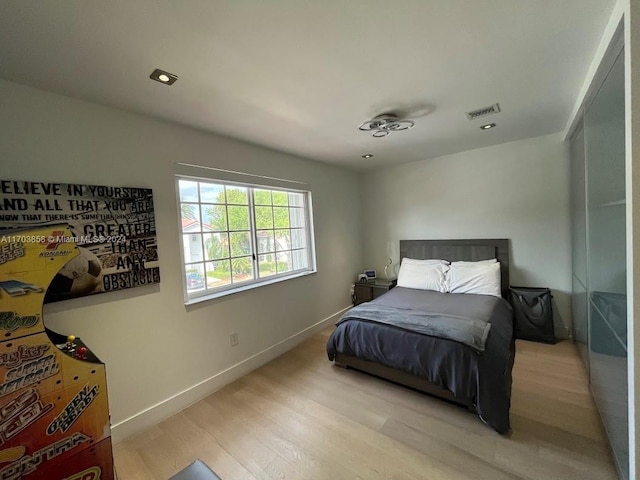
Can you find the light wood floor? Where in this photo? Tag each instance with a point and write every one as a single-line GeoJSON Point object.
{"type": "Point", "coordinates": [299, 417]}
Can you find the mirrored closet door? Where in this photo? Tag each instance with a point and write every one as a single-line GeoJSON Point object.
{"type": "Point", "coordinates": [599, 254]}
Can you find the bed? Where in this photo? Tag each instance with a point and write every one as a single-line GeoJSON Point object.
{"type": "Point", "coordinates": [477, 376]}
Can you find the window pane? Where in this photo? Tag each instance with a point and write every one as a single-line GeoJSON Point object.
{"type": "Point", "coordinates": [300, 259]}
{"type": "Point", "coordinates": [283, 240]}
{"type": "Point", "coordinates": [240, 243]}
{"type": "Point", "coordinates": [262, 197]}
{"type": "Point", "coordinates": [241, 269]}
{"type": "Point", "coordinates": [237, 195]}
{"type": "Point", "coordinates": [218, 274]}
{"type": "Point", "coordinates": [297, 217]}
{"type": "Point", "coordinates": [214, 218]}
{"type": "Point", "coordinates": [281, 217]}
{"type": "Point", "coordinates": [192, 245]}
{"type": "Point", "coordinates": [186, 257]}
{"type": "Point", "coordinates": [280, 198]}
{"type": "Point", "coordinates": [216, 246]}
{"type": "Point", "coordinates": [211, 193]}
{"type": "Point", "coordinates": [190, 217]}
{"type": "Point", "coordinates": [298, 238]}
{"type": "Point", "coordinates": [266, 242]}
{"type": "Point", "coordinates": [194, 277]}
{"type": "Point", "coordinates": [264, 217]}
{"type": "Point", "coordinates": [284, 262]}
{"type": "Point", "coordinates": [238, 218]}
{"type": "Point", "coordinates": [266, 265]}
{"type": "Point", "coordinates": [296, 199]}
{"type": "Point", "coordinates": [188, 191]}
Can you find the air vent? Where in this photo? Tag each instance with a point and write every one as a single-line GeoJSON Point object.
{"type": "Point", "coordinates": [483, 112]}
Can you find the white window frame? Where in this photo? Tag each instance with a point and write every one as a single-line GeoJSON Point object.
{"type": "Point", "coordinates": [255, 282]}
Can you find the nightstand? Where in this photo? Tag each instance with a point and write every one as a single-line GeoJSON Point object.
{"type": "Point", "coordinates": [364, 292]}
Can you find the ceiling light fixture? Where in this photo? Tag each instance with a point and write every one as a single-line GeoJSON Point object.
{"type": "Point", "coordinates": [488, 126]}
{"type": "Point", "coordinates": [384, 124]}
{"type": "Point", "coordinates": [163, 77]}
{"type": "Point", "coordinates": [367, 155]}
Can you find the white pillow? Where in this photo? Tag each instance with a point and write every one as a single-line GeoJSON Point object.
{"type": "Point", "coordinates": [423, 276]}
{"type": "Point", "coordinates": [479, 262]}
{"type": "Point", "coordinates": [482, 279]}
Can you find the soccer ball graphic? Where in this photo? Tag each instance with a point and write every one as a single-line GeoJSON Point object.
{"type": "Point", "coordinates": [79, 276]}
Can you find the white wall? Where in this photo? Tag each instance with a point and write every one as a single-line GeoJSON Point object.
{"type": "Point", "coordinates": [153, 346]}
{"type": "Point", "coordinates": [517, 190]}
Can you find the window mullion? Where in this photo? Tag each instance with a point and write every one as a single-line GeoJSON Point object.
{"type": "Point", "coordinates": [226, 212]}
{"type": "Point", "coordinates": [201, 235]}
{"type": "Point", "coordinates": [273, 229]}
{"type": "Point", "coordinates": [254, 233]}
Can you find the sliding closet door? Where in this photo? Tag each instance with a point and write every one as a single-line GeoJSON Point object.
{"type": "Point", "coordinates": [606, 257]}
{"type": "Point", "coordinates": [579, 300]}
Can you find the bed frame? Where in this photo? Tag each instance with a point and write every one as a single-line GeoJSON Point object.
{"type": "Point", "coordinates": [452, 250]}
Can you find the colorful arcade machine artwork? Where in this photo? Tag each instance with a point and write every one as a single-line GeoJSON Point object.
{"type": "Point", "coordinates": [54, 413]}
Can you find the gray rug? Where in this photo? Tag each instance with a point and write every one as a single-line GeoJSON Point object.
{"type": "Point", "coordinates": [198, 470]}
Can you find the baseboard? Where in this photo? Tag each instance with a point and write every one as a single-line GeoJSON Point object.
{"type": "Point", "coordinates": [181, 400]}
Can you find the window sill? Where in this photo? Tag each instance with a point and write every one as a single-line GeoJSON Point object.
{"type": "Point", "coordinates": [244, 288]}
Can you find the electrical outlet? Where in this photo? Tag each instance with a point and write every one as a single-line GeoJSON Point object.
{"type": "Point", "coordinates": [233, 338]}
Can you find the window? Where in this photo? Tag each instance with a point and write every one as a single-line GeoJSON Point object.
{"type": "Point", "coordinates": [237, 236]}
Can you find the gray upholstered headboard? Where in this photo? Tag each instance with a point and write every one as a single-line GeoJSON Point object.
{"type": "Point", "coordinates": [470, 250]}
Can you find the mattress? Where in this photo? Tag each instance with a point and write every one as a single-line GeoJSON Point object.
{"type": "Point", "coordinates": [480, 380]}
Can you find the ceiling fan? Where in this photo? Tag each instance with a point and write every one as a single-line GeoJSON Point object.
{"type": "Point", "coordinates": [383, 125]}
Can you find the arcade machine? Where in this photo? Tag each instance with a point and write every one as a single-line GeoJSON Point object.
{"type": "Point", "coordinates": [54, 413]}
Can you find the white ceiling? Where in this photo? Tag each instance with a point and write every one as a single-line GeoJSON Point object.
{"type": "Point", "coordinates": [300, 76]}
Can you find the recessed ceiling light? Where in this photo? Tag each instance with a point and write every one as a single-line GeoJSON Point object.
{"type": "Point", "coordinates": [488, 126]}
{"type": "Point", "coordinates": [163, 77]}
{"type": "Point", "coordinates": [368, 155]}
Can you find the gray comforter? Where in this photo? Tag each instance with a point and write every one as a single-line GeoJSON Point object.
{"type": "Point", "coordinates": [479, 379]}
